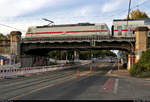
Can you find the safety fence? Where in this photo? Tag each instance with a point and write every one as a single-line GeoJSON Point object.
{"type": "Point", "coordinates": [10, 73]}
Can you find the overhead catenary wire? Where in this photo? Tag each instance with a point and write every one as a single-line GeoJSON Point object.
{"type": "Point", "coordinates": [12, 27]}
{"type": "Point", "coordinates": [8, 26]}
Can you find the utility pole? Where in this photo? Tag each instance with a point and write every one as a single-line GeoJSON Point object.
{"type": "Point", "coordinates": [128, 11]}
{"type": "Point", "coordinates": [132, 49]}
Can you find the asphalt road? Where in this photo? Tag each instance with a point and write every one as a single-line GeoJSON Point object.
{"type": "Point", "coordinates": [67, 85]}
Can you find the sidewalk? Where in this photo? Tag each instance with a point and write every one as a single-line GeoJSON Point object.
{"type": "Point", "coordinates": [119, 73]}
{"type": "Point", "coordinates": [123, 73]}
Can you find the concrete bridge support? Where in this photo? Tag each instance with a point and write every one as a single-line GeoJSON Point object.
{"type": "Point", "coordinates": [141, 41]}
{"type": "Point", "coordinates": [140, 45]}
{"type": "Point", "coordinates": [15, 39]}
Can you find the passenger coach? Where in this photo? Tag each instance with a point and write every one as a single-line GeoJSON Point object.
{"type": "Point", "coordinates": [124, 28]}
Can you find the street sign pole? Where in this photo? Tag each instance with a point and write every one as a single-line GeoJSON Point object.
{"type": "Point", "coordinates": [118, 64]}
{"type": "Point", "coordinates": [118, 56]}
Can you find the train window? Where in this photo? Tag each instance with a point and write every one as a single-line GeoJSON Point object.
{"type": "Point", "coordinates": [119, 30]}
{"type": "Point", "coordinates": [102, 26]}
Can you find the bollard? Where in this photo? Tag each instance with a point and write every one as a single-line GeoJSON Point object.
{"type": "Point", "coordinates": [77, 73]}
{"type": "Point", "coordinates": [91, 68]}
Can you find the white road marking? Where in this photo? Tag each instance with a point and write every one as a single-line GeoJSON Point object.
{"type": "Point", "coordinates": [116, 86]}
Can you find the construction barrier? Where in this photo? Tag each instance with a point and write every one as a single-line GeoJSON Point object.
{"type": "Point", "coordinates": [13, 72]}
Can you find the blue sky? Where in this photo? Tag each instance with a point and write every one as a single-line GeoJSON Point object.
{"type": "Point", "coordinates": [24, 13]}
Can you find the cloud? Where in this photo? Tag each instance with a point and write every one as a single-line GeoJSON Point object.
{"type": "Point", "coordinates": [77, 15]}
{"type": "Point", "coordinates": [112, 5]}
{"type": "Point", "coordinates": [14, 8]}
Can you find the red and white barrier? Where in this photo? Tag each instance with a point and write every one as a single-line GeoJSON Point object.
{"type": "Point", "coordinates": [8, 73]}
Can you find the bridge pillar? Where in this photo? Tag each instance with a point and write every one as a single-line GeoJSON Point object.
{"type": "Point", "coordinates": [141, 41]}
{"type": "Point", "coordinates": [15, 39]}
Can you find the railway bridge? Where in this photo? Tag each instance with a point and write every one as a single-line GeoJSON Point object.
{"type": "Point", "coordinates": [27, 50]}
{"type": "Point", "coordinates": [110, 43]}
{"type": "Point", "coordinates": [41, 47]}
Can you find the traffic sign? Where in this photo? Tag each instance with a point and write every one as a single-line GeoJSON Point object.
{"type": "Point", "coordinates": [118, 53]}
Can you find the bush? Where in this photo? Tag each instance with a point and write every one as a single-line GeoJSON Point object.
{"type": "Point", "coordinates": [142, 67]}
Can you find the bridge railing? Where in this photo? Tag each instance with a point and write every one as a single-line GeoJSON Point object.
{"type": "Point", "coordinates": [81, 38]}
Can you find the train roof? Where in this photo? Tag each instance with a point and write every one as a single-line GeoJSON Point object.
{"type": "Point", "coordinates": [148, 19]}
{"type": "Point", "coordinates": [70, 25]}
{"type": "Point", "coordinates": [67, 25]}
{"type": "Point", "coordinates": [132, 21]}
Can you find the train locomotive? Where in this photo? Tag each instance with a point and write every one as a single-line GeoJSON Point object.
{"type": "Point", "coordinates": [69, 30]}
{"type": "Point", "coordinates": [120, 28]}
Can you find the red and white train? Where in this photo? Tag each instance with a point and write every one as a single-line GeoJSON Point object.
{"type": "Point", "coordinates": [124, 28]}
{"type": "Point", "coordinates": [120, 28]}
{"type": "Point", "coordinates": [68, 30]}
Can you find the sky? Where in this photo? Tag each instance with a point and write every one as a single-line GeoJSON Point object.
{"type": "Point", "coordinates": [21, 14]}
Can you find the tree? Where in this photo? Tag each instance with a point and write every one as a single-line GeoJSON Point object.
{"type": "Point", "coordinates": [137, 14]}
{"type": "Point", "coordinates": [8, 36]}
{"type": "Point", "coordinates": [142, 67]}
{"type": "Point", "coordinates": [2, 37]}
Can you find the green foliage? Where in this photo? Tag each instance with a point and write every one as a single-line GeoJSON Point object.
{"type": "Point", "coordinates": [83, 55]}
{"type": "Point", "coordinates": [142, 67]}
{"type": "Point", "coordinates": [54, 54]}
{"type": "Point", "coordinates": [137, 14]}
{"type": "Point", "coordinates": [4, 37]}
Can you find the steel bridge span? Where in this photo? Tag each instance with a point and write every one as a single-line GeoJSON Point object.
{"type": "Point", "coordinates": [38, 45]}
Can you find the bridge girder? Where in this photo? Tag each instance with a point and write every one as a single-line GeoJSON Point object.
{"type": "Point", "coordinates": [31, 48]}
